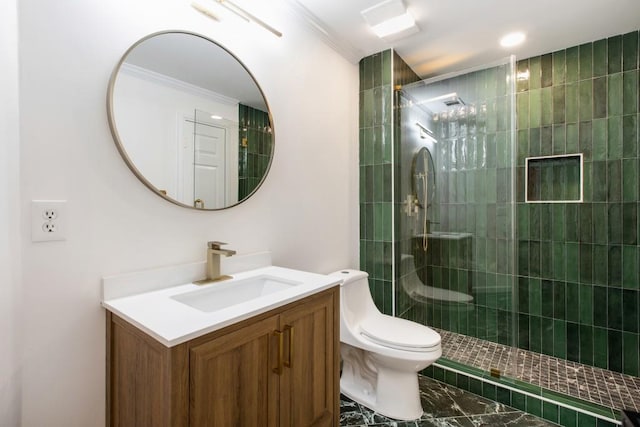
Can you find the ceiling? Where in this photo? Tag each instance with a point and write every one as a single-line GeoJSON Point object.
{"type": "Point", "coordinates": [459, 34]}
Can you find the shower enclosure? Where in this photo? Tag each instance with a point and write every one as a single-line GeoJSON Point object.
{"type": "Point", "coordinates": [454, 226]}
{"type": "Point", "coordinates": [522, 253]}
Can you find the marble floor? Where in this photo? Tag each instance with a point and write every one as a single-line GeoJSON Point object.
{"type": "Point", "coordinates": [444, 406]}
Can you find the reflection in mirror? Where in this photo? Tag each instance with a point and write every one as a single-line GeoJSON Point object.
{"type": "Point", "coordinates": [190, 121]}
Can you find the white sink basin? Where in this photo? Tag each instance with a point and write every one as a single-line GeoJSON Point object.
{"type": "Point", "coordinates": [217, 296]}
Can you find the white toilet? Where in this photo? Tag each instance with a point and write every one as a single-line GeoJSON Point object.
{"type": "Point", "coordinates": [381, 355]}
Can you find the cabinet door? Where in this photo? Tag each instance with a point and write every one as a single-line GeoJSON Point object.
{"type": "Point", "coordinates": [232, 382]}
{"type": "Point", "coordinates": [309, 385]}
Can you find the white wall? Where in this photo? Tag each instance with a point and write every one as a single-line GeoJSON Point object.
{"type": "Point", "coordinates": [9, 219]}
{"type": "Point", "coordinates": [306, 211]}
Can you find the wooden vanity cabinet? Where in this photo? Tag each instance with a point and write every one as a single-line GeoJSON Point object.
{"type": "Point", "coordinates": [277, 369]}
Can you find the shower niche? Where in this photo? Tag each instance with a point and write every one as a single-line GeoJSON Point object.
{"type": "Point", "coordinates": [554, 179]}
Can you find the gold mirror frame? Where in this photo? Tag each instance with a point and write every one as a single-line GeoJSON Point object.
{"type": "Point", "coordinates": [121, 146]}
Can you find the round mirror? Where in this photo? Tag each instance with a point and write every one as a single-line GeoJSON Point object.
{"type": "Point", "coordinates": [190, 120]}
{"type": "Point", "coordinates": [424, 177]}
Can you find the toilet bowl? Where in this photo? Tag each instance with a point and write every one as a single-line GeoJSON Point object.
{"type": "Point", "coordinates": [381, 355]}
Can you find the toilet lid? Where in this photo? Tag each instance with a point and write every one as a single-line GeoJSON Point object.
{"type": "Point", "coordinates": [399, 333]}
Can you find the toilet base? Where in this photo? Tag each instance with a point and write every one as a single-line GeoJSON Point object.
{"type": "Point", "coordinates": [389, 392]}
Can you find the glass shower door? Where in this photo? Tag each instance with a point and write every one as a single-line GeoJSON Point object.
{"type": "Point", "coordinates": [455, 207]}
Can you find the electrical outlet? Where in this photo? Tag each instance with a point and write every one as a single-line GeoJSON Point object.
{"type": "Point", "coordinates": [48, 220]}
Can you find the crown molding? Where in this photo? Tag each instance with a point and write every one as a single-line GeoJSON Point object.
{"type": "Point", "coordinates": [164, 80]}
{"type": "Point", "coordinates": [320, 29]}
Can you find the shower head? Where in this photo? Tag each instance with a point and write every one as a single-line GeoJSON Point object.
{"type": "Point", "coordinates": [453, 100]}
{"type": "Point", "coordinates": [435, 104]}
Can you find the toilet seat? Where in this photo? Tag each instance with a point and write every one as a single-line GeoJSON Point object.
{"type": "Point", "coordinates": [399, 334]}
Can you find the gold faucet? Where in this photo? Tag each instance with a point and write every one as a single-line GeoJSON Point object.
{"type": "Point", "coordinates": [213, 263]}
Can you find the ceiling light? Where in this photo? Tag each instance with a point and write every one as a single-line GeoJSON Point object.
{"type": "Point", "coordinates": [390, 18]}
{"type": "Point", "coordinates": [215, 117]}
{"type": "Point", "coordinates": [512, 39]}
{"type": "Point", "coordinates": [394, 25]}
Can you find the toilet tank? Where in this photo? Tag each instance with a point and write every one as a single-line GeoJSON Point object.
{"type": "Point", "coordinates": [356, 302]}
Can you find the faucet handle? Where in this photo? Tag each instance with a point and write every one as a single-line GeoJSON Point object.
{"type": "Point", "coordinates": [215, 244]}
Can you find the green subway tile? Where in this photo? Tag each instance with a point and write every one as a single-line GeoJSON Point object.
{"type": "Point", "coordinates": [522, 85]}
{"type": "Point", "coordinates": [630, 51]}
{"type": "Point", "coordinates": [535, 296]}
{"type": "Point", "coordinates": [559, 339]}
{"type": "Point", "coordinates": [599, 223]}
{"type": "Point", "coordinates": [586, 61]}
{"type": "Point", "coordinates": [629, 223]}
{"type": "Point", "coordinates": [614, 54]}
{"type": "Point", "coordinates": [630, 180]}
{"type": "Point", "coordinates": [630, 356]}
{"type": "Point", "coordinates": [600, 353]}
{"type": "Point", "coordinates": [367, 74]}
{"type": "Point", "coordinates": [568, 417]}
{"type": "Point", "coordinates": [518, 400]}
{"type": "Point", "coordinates": [614, 138]}
{"type": "Point", "coordinates": [585, 100]}
{"type": "Point", "coordinates": [546, 104]}
{"type": "Point", "coordinates": [386, 67]}
{"type": "Point", "coordinates": [522, 110]}
{"type": "Point", "coordinates": [368, 108]}
{"type": "Point", "coordinates": [559, 104]}
{"type": "Point", "coordinates": [601, 271]}
{"type": "Point", "coordinates": [630, 92]}
{"type": "Point", "coordinates": [379, 103]}
{"type": "Point", "coordinates": [376, 68]}
{"type": "Point", "coordinates": [615, 266]}
{"type": "Point", "coordinates": [535, 72]}
{"type": "Point", "coordinates": [630, 136]}
{"type": "Point", "coordinates": [489, 391]}
{"type": "Point", "coordinates": [586, 344]}
{"type": "Point", "coordinates": [535, 108]}
{"type": "Point", "coordinates": [572, 102]}
{"type": "Point", "coordinates": [585, 420]}
{"type": "Point", "coordinates": [600, 58]}
{"type": "Point", "coordinates": [599, 128]}
{"type": "Point", "coordinates": [615, 94]}
{"type": "Point", "coordinates": [559, 67]}
{"type": "Point", "coordinates": [630, 267]}
{"type": "Point", "coordinates": [586, 304]}
{"type": "Point", "coordinates": [599, 181]}
{"type": "Point", "coordinates": [534, 406]}
{"type": "Point", "coordinates": [572, 64]}
{"type": "Point", "coordinates": [572, 138]}
{"type": "Point", "coordinates": [550, 411]}
{"type": "Point", "coordinates": [615, 350]}
{"type": "Point", "coordinates": [614, 181]}
{"type": "Point", "coordinates": [614, 309]}
{"type": "Point", "coordinates": [585, 139]}
{"type": "Point", "coordinates": [573, 342]}
{"type": "Point", "coordinates": [600, 306]}
{"type": "Point", "coordinates": [572, 264]}
{"type": "Point", "coordinates": [599, 97]}
{"type": "Point", "coordinates": [630, 310]}
{"type": "Point", "coordinates": [546, 325]}
{"type": "Point", "coordinates": [559, 256]}
{"type": "Point", "coordinates": [546, 70]}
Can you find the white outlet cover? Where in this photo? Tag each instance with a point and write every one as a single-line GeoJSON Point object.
{"type": "Point", "coordinates": [41, 225]}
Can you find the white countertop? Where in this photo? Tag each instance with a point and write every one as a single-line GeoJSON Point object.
{"type": "Point", "coordinates": [172, 322]}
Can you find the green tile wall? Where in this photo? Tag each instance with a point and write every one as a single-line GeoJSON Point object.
{"type": "Point", "coordinates": [255, 148]}
{"type": "Point", "coordinates": [379, 74]}
{"type": "Point", "coordinates": [578, 276]}
{"type": "Point", "coordinates": [376, 204]}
